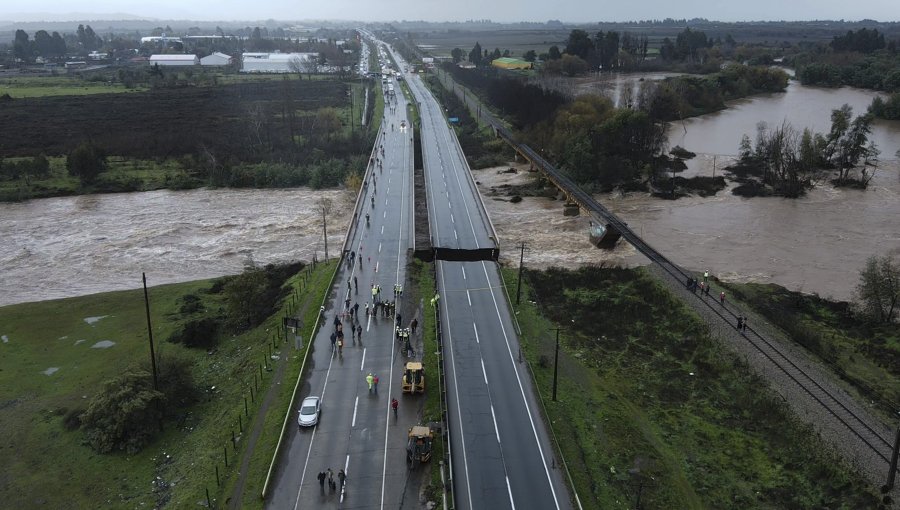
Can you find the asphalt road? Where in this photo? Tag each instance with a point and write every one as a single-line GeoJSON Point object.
{"type": "Point", "coordinates": [357, 431]}
{"type": "Point", "coordinates": [502, 456]}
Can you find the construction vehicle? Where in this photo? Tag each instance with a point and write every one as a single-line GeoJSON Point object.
{"type": "Point", "coordinates": [418, 448]}
{"type": "Point", "coordinates": [414, 378]}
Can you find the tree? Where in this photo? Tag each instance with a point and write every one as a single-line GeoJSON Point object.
{"type": "Point", "coordinates": [125, 414]}
{"type": "Point", "coordinates": [457, 55]}
{"type": "Point", "coordinates": [579, 44]}
{"type": "Point", "coordinates": [553, 53]}
{"type": "Point", "coordinates": [529, 56]}
{"type": "Point", "coordinates": [87, 161]}
{"type": "Point", "coordinates": [878, 291]}
{"type": "Point", "coordinates": [746, 149]}
{"type": "Point", "coordinates": [22, 46]}
{"type": "Point", "coordinates": [475, 55]}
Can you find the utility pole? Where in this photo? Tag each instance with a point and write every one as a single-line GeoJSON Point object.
{"type": "Point", "coordinates": [519, 286]}
{"type": "Point", "coordinates": [325, 232]}
{"type": "Point", "coordinates": [556, 364]}
{"type": "Point", "coordinates": [150, 334]}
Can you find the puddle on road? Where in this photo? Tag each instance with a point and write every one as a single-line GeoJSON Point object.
{"type": "Point", "coordinates": [94, 320]}
{"type": "Point", "coordinates": [50, 371]}
{"type": "Point", "coordinates": [103, 344]}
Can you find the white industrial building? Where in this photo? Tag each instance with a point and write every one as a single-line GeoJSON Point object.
{"type": "Point", "coordinates": [273, 62]}
{"type": "Point", "coordinates": [174, 60]}
{"type": "Point", "coordinates": [216, 59]}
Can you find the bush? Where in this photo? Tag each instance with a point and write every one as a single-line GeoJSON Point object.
{"type": "Point", "coordinates": [190, 303]}
{"type": "Point", "coordinates": [251, 296]}
{"type": "Point", "coordinates": [125, 414]}
{"type": "Point", "coordinates": [176, 380]}
{"type": "Point", "coordinates": [199, 333]}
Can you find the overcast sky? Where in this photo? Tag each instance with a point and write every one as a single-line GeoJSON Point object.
{"type": "Point", "coordinates": [455, 10]}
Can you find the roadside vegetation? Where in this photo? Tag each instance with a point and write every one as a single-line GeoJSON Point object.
{"type": "Point", "coordinates": [422, 275]}
{"type": "Point", "coordinates": [858, 340]}
{"type": "Point", "coordinates": [650, 407]}
{"type": "Point", "coordinates": [79, 404]}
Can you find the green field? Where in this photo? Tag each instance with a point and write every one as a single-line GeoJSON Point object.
{"type": "Point", "coordinates": [48, 466]}
{"type": "Point", "coordinates": [45, 86]}
{"type": "Point", "coordinates": [647, 399]}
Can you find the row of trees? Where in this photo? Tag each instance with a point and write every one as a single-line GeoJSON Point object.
{"type": "Point", "coordinates": [863, 58]}
{"type": "Point", "coordinates": [55, 45]}
{"type": "Point", "coordinates": [787, 157]}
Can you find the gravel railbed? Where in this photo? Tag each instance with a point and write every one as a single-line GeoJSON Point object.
{"type": "Point", "coordinates": [835, 434]}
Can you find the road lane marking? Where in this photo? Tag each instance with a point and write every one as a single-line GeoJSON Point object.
{"type": "Point", "coordinates": [384, 215]}
{"type": "Point", "coordinates": [463, 269]}
{"type": "Point", "coordinates": [477, 340]}
{"type": "Point", "coordinates": [379, 247]}
{"type": "Point", "coordinates": [363, 362]}
{"type": "Point", "coordinates": [382, 229]}
{"type": "Point", "coordinates": [355, 408]}
{"type": "Point", "coordinates": [509, 490]}
{"type": "Point", "coordinates": [484, 374]}
{"type": "Point", "coordinates": [493, 415]}
{"type": "Point", "coordinates": [451, 218]}
{"type": "Point", "coordinates": [456, 236]}
{"type": "Point", "coordinates": [469, 297]}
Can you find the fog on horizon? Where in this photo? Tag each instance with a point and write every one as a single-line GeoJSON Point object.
{"type": "Point", "coordinates": [573, 11]}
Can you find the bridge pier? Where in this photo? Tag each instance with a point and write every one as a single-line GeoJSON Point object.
{"type": "Point", "coordinates": [571, 209]}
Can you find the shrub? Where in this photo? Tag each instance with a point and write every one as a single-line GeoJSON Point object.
{"type": "Point", "coordinates": [199, 333]}
{"type": "Point", "coordinates": [72, 419]}
{"type": "Point", "coordinates": [125, 414]}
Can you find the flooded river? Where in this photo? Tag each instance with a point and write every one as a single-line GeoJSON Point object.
{"type": "Point", "coordinates": [60, 247]}
{"type": "Point", "coordinates": [78, 245]}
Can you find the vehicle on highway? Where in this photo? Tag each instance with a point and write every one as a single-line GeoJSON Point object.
{"type": "Point", "coordinates": [414, 378]}
{"type": "Point", "coordinates": [309, 412]}
{"type": "Point", "coordinates": [418, 446]}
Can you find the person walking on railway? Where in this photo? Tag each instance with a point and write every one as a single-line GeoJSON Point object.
{"type": "Point", "coordinates": [706, 276]}
{"type": "Point", "coordinates": [744, 327]}
{"type": "Point", "coordinates": [706, 290]}
{"type": "Point", "coordinates": [722, 298]}
{"type": "Point", "coordinates": [740, 323]}
{"type": "Point", "coordinates": [688, 283]}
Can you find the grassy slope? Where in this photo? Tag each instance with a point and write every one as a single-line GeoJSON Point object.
{"type": "Point", "coordinates": [866, 355]}
{"type": "Point", "coordinates": [44, 334]}
{"type": "Point", "coordinates": [43, 86]}
{"type": "Point", "coordinates": [643, 386]}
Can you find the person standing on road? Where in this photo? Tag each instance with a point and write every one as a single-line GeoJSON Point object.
{"type": "Point", "coordinates": [330, 479]}
{"type": "Point", "coordinates": [342, 477]}
{"type": "Point", "coordinates": [356, 310]}
{"type": "Point", "coordinates": [359, 332]}
{"type": "Point", "coordinates": [413, 325]}
{"type": "Point", "coordinates": [394, 405]}
{"type": "Point", "coordinates": [375, 382]}
{"type": "Point", "coordinates": [321, 478]}
{"type": "Point", "coordinates": [355, 285]}
{"type": "Point", "coordinates": [370, 380]}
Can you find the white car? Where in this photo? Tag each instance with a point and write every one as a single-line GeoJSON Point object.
{"type": "Point", "coordinates": [309, 412]}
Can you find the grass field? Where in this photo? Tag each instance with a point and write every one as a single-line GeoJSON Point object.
{"type": "Point", "coordinates": [45, 86]}
{"type": "Point", "coordinates": [647, 399]}
{"type": "Point", "coordinates": [51, 361]}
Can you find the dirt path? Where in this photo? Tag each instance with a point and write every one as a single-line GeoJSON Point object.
{"type": "Point", "coordinates": [237, 496]}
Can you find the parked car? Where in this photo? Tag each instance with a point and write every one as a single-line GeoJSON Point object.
{"type": "Point", "coordinates": [309, 412]}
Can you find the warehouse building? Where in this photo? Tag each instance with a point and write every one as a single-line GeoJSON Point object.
{"type": "Point", "coordinates": [174, 60]}
{"type": "Point", "coordinates": [511, 63]}
{"type": "Point", "coordinates": [216, 59]}
{"type": "Point", "coordinates": [274, 62]}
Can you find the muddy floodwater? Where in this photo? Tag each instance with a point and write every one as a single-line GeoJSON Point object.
{"type": "Point", "coordinates": [61, 247]}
